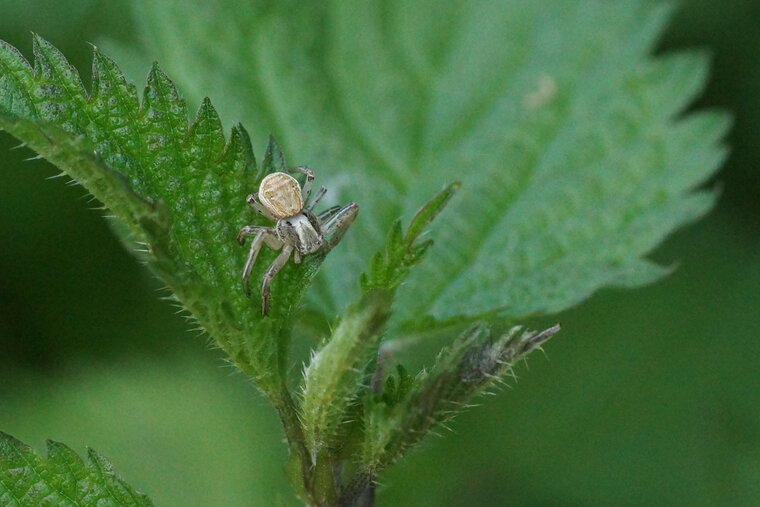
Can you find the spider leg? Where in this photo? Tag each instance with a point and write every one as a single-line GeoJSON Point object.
{"type": "Point", "coordinates": [262, 235]}
{"type": "Point", "coordinates": [250, 230]}
{"type": "Point", "coordinates": [320, 194]}
{"type": "Point", "coordinates": [271, 272]}
{"type": "Point", "coordinates": [336, 222]}
{"type": "Point", "coordinates": [253, 201]}
{"type": "Point", "coordinates": [252, 254]}
{"type": "Point", "coordinates": [306, 189]}
{"type": "Point", "coordinates": [328, 213]}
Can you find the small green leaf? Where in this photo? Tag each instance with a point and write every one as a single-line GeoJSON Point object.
{"type": "Point", "coordinates": [425, 216]}
{"type": "Point", "coordinates": [471, 364]}
{"type": "Point", "coordinates": [61, 479]}
{"type": "Point", "coordinates": [336, 373]}
{"type": "Point", "coordinates": [402, 250]}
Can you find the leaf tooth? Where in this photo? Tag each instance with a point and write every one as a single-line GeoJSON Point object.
{"type": "Point", "coordinates": [66, 465]}
{"type": "Point", "coordinates": [205, 138]}
{"type": "Point", "coordinates": [205, 144]}
{"type": "Point", "coordinates": [677, 79]}
{"type": "Point", "coordinates": [222, 205]}
{"type": "Point", "coordinates": [10, 445]}
{"type": "Point", "coordinates": [60, 94]}
{"type": "Point", "coordinates": [239, 152]}
{"type": "Point", "coordinates": [654, 20]}
{"type": "Point", "coordinates": [115, 487]}
{"type": "Point", "coordinates": [238, 163]}
{"type": "Point", "coordinates": [200, 202]}
{"type": "Point", "coordinates": [57, 450]}
{"type": "Point", "coordinates": [274, 160]}
{"type": "Point", "coordinates": [116, 110]}
{"type": "Point", "coordinates": [51, 65]}
{"type": "Point", "coordinates": [164, 126]}
{"type": "Point", "coordinates": [16, 81]}
{"type": "Point", "coordinates": [694, 149]}
{"type": "Point", "coordinates": [236, 168]}
{"type": "Point", "coordinates": [109, 83]}
{"type": "Point", "coordinates": [166, 112]}
{"type": "Point", "coordinates": [10, 52]}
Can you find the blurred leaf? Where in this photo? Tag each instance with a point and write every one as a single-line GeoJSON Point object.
{"type": "Point", "coordinates": [189, 430]}
{"type": "Point", "coordinates": [62, 479]}
{"type": "Point", "coordinates": [569, 142]}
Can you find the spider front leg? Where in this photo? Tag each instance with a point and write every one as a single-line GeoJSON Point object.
{"type": "Point", "coordinates": [271, 272]}
{"type": "Point", "coordinates": [318, 197]}
{"type": "Point", "coordinates": [328, 214]}
{"type": "Point", "coordinates": [320, 194]}
{"type": "Point", "coordinates": [335, 222]}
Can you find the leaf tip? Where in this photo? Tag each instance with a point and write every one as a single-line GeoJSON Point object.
{"type": "Point", "coordinates": [39, 42]}
{"type": "Point", "coordinates": [542, 337]}
{"type": "Point", "coordinates": [55, 448]}
{"type": "Point", "coordinates": [156, 75]}
{"type": "Point", "coordinates": [99, 460]}
{"type": "Point", "coordinates": [7, 439]}
{"type": "Point", "coordinates": [274, 159]}
{"type": "Point", "coordinates": [207, 111]}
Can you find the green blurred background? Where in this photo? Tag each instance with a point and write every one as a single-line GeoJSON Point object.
{"type": "Point", "coordinates": [647, 397]}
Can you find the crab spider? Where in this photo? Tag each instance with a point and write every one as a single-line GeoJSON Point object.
{"type": "Point", "coordinates": [297, 229]}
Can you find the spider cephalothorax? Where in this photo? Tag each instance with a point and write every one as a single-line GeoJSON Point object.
{"type": "Point", "coordinates": [297, 231]}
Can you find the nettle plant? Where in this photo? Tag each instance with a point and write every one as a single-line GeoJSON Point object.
{"type": "Point", "coordinates": [556, 144]}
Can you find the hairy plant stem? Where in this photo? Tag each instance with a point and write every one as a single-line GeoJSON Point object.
{"type": "Point", "coordinates": [321, 481]}
{"type": "Point", "coordinates": [302, 478]}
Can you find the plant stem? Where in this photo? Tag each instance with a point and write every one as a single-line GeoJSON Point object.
{"type": "Point", "coordinates": [303, 481]}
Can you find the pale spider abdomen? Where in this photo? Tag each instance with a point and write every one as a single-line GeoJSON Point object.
{"type": "Point", "coordinates": [280, 193]}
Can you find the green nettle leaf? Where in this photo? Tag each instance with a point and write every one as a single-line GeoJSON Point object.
{"type": "Point", "coordinates": [179, 187]}
{"type": "Point", "coordinates": [569, 140]}
{"type": "Point", "coordinates": [574, 156]}
{"type": "Point", "coordinates": [61, 479]}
